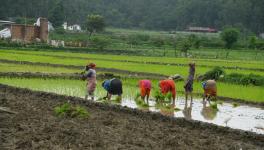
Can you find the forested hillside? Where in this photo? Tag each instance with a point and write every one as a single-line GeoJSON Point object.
{"type": "Point", "coordinates": [149, 14]}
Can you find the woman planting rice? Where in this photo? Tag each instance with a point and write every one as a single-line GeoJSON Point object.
{"type": "Point", "coordinates": [90, 76]}
{"type": "Point", "coordinates": [168, 86]}
{"type": "Point", "coordinates": [189, 82]}
{"type": "Point", "coordinates": [113, 87]}
{"type": "Point", "coordinates": [210, 90]}
{"type": "Point", "coordinates": [145, 88]}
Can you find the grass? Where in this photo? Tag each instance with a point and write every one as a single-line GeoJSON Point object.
{"type": "Point", "coordinates": [8, 67]}
{"type": "Point", "coordinates": [77, 88]}
{"type": "Point", "coordinates": [136, 67]}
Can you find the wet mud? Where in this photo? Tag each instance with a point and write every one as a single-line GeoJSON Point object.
{"type": "Point", "coordinates": [109, 127]}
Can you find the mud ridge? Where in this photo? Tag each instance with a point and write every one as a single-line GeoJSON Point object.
{"type": "Point", "coordinates": [109, 127]}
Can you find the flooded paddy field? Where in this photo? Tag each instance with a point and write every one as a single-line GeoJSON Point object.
{"type": "Point", "coordinates": [233, 115]}
{"type": "Point", "coordinates": [35, 126]}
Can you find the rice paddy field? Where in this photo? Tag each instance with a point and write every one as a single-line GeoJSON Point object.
{"type": "Point", "coordinates": [237, 115]}
{"type": "Point", "coordinates": [46, 61]}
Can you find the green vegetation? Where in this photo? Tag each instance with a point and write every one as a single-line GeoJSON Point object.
{"type": "Point", "coordinates": [8, 67]}
{"type": "Point", "coordinates": [77, 88]}
{"type": "Point", "coordinates": [230, 36]}
{"type": "Point", "coordinates": [214, 106]}
{"type": "Point", "coordinates": [137, 67]}
{"type": "Point", "coordinates": [95, 23]}
{"type": "Point", "coordinates": [235, 105]}
{"type": "Point", "coordinates": [67, 110]}
{"type": "Point", "coordinates": [209, 62]}
{"type": "Point", "coordinates": [143, 14]}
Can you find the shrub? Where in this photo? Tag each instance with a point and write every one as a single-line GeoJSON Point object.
{"type": "Point", "coordinates": [230, 37]}
{"type": "Point", "coordinates": [60, 30]}
{"type": "Point", "coordinates": [250, 79]}
{"type": "Point", "coordinates": [214, 74]}
{"type": "Point", "coordinates": [99, 43]}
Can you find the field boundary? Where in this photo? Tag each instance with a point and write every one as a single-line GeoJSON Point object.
{"type": "Point", "coordinates": [257, 139]}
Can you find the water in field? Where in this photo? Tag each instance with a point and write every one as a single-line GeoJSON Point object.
{"type": "Point", "coordinates": [241, 117]}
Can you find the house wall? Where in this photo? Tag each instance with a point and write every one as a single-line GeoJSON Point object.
{"type": "Point", "coordinates": [29, 33]}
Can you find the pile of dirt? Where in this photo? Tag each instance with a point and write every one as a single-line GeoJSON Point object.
{"type": "Point", "coordinates": [35, 126]}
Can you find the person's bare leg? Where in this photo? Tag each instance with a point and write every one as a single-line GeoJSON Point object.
{"type": "Point", "coordinates": [204, 99]}
{"type": "Point", "coordinates": [147, 99]}
{"type": "Point", "coordinates": [191, 98]}
{"type": "Point", "coordinates": [109, 96]}
{"type": "Point", "coordinates": [186, 97]}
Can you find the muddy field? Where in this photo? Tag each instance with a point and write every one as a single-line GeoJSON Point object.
{"type": "Point", "coordinates": [109, 127]}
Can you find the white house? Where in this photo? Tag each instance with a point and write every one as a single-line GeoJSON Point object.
{"type": "Point", "coordinates": [74, 27]}
{"type": "Point", "coordinates": [261, 35]}
{"type": "Point", "coordinates": [50, 27]}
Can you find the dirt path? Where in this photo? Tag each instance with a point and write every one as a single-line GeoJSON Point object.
{"type": "Point", "coordinates": [109, 127]}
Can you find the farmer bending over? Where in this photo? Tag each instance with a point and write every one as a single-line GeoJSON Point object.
{"type": "Point", "coordinates": [167, 86]}
{"type": "Point", "coordinates": [113, 87]}
{"type": "Point", "coordinates": [210, 90]}
{"type": "Point", "coordinates": [145, 88]}
{"type": "Point", "coordinates": [189, 82]}
{"type": "Point", "coordinates": [90, 76]}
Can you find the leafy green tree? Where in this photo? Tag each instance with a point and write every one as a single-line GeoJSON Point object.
{"type": "Point", "coordinates": [185, 46]}
{"type": "Point", "coordinates": [252, 42]}
{"type": "Point", "coordinates": [57, 15]}
{"type": "Point", "coordinates": [159, 42]}
{"type": "Point", "coordinates": [95, 23]}
{"type": "Point", "coordinates": [230, 37]}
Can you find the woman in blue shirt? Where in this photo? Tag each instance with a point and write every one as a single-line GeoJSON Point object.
{"type": "Point", "coordinates": [113, 87]}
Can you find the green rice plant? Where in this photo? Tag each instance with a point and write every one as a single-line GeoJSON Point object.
{"type": "Point", "coordinates": [159, 97]}
{"type": "Point", "coordinates": [140, 103]}
{"type": "Point", "coordinates": [63, 109]}
{"type": "Point", "coordinates": [67, 110]}
{"type": "Point", "coordinates": [220, 102]}
{"type": "Point", "coordinates": [214, 106]}
{"type": "Point", "coordinates": [118, 99]}
{"type": "Point", "coordinates": [177, 109]}
{"type": "Point", "coordinates": [80, 112]}
{"type": "Point", "coordinates": [137, 97]}
{"type": "Point", "coordinates": [235, 105]}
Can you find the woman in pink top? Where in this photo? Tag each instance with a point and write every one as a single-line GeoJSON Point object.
{"type": "Point", "coordinates": [145, 88]}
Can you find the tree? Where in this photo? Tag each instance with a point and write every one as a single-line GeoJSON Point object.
{"type": "Point", "coordinates": [57, 15]}
{"type": "Point", "coordinates": [159, 42]}
{"type": "Point", "coordinates": [95, 23]}
{"type": "Point", "coordinates": [185, 46]}
{"type": "Point", "coordinates": [252, 42]}
{"type": "Point", "coordinates": [230, 37]}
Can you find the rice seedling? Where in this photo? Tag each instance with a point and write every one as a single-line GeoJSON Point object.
{"type": "Point", "coordinates": [235, 105]}
{"type": "Point", "coordinates": [67, 110]}
{"type": "Point", "coordinates": [214, 106]}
